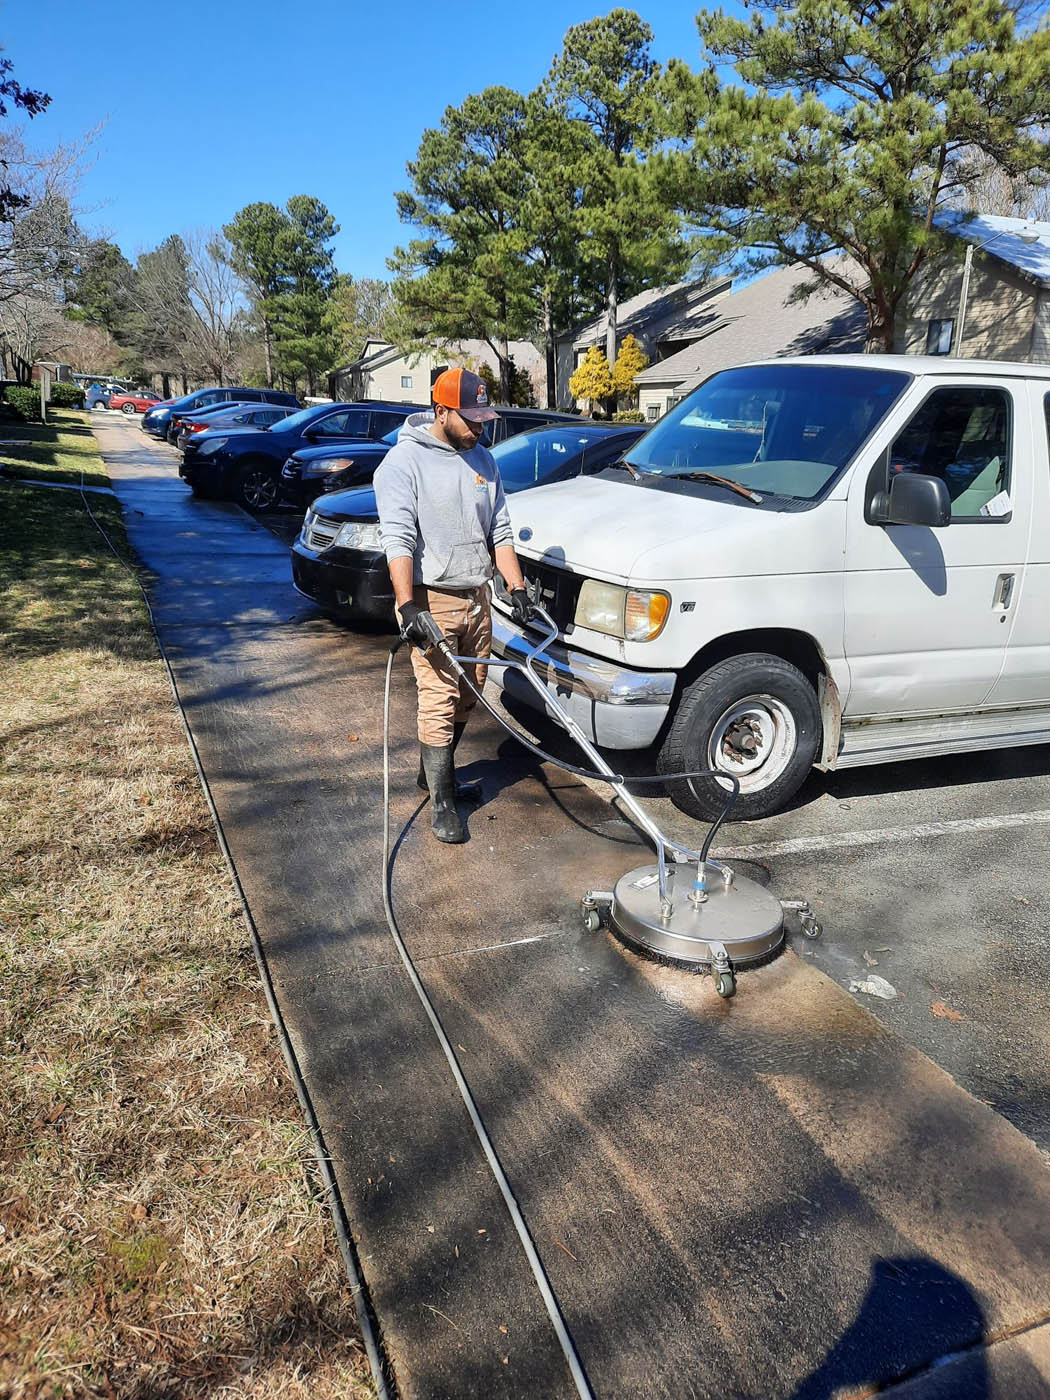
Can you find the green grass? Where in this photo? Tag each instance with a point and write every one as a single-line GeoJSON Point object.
{"type": "Point", "coordinates": [59, 451]}
{"type": "Point", "coordinates": [162, 1231]}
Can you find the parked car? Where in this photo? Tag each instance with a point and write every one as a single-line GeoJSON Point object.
{"type": "Point", "coordinates": [246, 467]}
{"type": "Point", "coordinates": [156, 422]}
{"type": "Point", "coordinates": [337, 560]}
{"type": "Point", "coordinates": [204, 417]}
{"type": "Point", "coordinates": [232, 416]}
{"type": "Point", "coordinates": [138, 401]}
{"type": "Point", "coordinates": [760, 589]}
{"type": "Point", "coordinates": [237, 398]}
{"type": "Point", "coordinates": [98, 395]}
{"type": "Point", "coordinates": [313, 470]}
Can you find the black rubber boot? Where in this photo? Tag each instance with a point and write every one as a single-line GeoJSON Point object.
{"type": "Point", "coordinates": [465, 792]}
{"type": "Point", "coordinates": [441, 781]}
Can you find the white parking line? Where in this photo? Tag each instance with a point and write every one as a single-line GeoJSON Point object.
{"type": "Point", "coordinates": [800, 845]}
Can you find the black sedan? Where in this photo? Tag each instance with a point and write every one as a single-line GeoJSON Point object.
{"type": "Point", "coordinates": [337, 560]}
{"type": "Point", "coordinates": [246, 466]}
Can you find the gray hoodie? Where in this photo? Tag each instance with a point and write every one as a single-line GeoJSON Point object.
{"type": "Point", "coordinates": [440, 508]}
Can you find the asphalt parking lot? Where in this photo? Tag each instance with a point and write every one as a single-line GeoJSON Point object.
{"type": "Point", "coordinates": [772, 1197]}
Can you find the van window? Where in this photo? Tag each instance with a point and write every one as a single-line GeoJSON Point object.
{"type": "Point", "coordinates": [961, 434]}
{"type": "Point", "coordinates": [781, 430]}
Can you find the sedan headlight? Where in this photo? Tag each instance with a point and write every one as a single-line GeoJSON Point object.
{"type": "Point", "coordinates": [330, 464]}
{"type": "Point", "coordinates": [358, 534]}
{"type": "Point", "coordinates": [213, 445]}
{"type": "Point", "coordinates": [637, 615]}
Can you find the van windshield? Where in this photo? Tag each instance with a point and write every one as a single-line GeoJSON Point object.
{"type": "Point", "coordinates": [779, 430]}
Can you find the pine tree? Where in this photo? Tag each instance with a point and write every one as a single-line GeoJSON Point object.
{"type": "Point", "coordinates": [592, 379]}
{"type": "Point", "coordinates": [606, 82]}
{"type": "Point", "coordinates": [630, 362]}
{"type": "Point", "coordinates": [466, 277]}
{"type": "Point", "coordinates": [856, 124]}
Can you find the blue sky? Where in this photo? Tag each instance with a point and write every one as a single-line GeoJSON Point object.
{"type": "Point", "coordinates": [208, 107]}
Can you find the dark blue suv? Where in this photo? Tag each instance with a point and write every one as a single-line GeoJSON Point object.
{"type": "Point", "coordinates": [246, 466]}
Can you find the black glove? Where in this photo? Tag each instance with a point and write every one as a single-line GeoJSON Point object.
{"type": "Point", "coordinates": [416, 623]}
{"type": "Point", "coordinates": [522, 608]}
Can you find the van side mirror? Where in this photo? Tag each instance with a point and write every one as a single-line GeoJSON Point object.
{"type": "Point", "coordinates": [913, 499]}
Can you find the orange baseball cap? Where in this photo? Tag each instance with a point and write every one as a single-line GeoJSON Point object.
{"type": "Point", "coordinates": [465, 392]}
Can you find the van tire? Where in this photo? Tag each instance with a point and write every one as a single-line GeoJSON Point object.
{"type": "Point", "coordinates": [755, 699]}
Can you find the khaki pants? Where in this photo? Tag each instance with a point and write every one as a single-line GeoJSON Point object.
{"type": "Point", "coordinates": [466, 621]}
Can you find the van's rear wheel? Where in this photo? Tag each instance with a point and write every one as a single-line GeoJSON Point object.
{"type": "Point", "coordinates": [755, 716]}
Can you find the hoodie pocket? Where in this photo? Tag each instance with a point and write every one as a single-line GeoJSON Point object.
{"type": "Point", "coordinates": [468, 561]}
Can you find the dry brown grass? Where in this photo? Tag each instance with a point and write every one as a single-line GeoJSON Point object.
{"type": "Point", "coordinates": [162, 1229]}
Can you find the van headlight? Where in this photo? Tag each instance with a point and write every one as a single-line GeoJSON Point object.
{"type": "Point", "coordinates": [636, 614]}
{"type": "Point", "coordinates": [358, 534]}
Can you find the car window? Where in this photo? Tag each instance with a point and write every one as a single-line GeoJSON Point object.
{"type": "Point", "coordinates": [604, 452]}
{"type": "Point", "coordinates": [383, 423]}
{"type": "Point", "coordinates": [211, 396]}
{"type": "Point", "coordinates": [518, 423]}
{"type": "Point", "coordinates": [962, 435]}
{"type": "Point", "coordinates": [529, 459]}
{"type": "Point", "coordinates": [351, 423]}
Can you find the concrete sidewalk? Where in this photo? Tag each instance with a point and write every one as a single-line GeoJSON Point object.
{"type": "Point", "coordinates": [771, 1197]}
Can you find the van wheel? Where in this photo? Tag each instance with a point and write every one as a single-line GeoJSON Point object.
{"type": "Point", "coordinates": [257, 488]}
{"type": "Point", "coordinates": [755, 716]}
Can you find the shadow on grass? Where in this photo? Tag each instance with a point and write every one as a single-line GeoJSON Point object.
{"type": "Point", "coordinates": [60, 585]}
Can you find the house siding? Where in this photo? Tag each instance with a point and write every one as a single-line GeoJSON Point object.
{"type": "Point", "coordinates": [1000, 310]}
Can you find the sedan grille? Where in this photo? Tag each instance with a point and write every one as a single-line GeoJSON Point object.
{"type": "Point", "coordinates": [555, 590]}
{"type": "Point", "coordinates": [320, 533]}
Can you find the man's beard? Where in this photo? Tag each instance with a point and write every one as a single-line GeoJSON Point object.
{"type": "Point", "coordinates": [461, 440]}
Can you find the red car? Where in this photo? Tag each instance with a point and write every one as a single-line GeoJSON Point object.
{"type": "Point", "coordinates": [134, 403]}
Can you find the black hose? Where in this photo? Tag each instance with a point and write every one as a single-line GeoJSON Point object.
{"type": "Point", "coordinates": [593, 774]}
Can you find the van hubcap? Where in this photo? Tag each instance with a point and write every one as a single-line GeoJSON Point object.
{"type": "Point", "coordinates": [755, 740]}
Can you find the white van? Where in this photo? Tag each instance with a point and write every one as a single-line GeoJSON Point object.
{"type": "Point", "coordinates": [826, 562]}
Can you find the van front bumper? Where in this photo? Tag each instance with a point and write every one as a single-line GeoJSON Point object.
{"type": "Point", "coordinates": [616, 707]}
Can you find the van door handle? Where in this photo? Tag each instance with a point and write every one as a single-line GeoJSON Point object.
{"type": "Point", "coordinates": [1004, 591]}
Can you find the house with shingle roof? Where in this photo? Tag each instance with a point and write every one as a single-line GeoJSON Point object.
{"type": "Point", "coordinates": [664, 320]}
{"type": "Point", "coordinates": [382, 371]}
{"type": "Point", "coordinates": [756, 323]}
{"type": "Point", "coordinates": [1007, 311]}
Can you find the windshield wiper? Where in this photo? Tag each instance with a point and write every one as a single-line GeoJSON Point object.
{"type": "Point", "coordinates": [720, 481]}
{"type": "Point", "coordinates": [630, 467]}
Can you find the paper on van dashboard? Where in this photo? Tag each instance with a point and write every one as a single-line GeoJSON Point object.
{"type": "Point", "coordinates": [998, 505]}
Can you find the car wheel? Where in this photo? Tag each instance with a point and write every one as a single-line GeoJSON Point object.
{"type": "Point", "coordinates": [258, 487]}
{"type": "Point", "coordinates": [128, 408]}
{"type": "Point", "coordinates": [97, 404]}
{"type": "Point", "coordinates": [755, 716]}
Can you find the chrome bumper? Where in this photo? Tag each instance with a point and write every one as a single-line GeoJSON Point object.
{"type": "Point", "coordinates": [617, 708]}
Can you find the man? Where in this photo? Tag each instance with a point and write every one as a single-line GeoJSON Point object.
{"type": "Point", "coordinates": [443, 523]}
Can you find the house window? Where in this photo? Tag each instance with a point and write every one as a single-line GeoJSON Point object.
{"type": "Point", "coordinates": [939, 337]}
{"type": "Point", "coordinates": [406, 381]}
{"type": "Point", "coordinates": [652, 412]}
